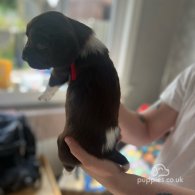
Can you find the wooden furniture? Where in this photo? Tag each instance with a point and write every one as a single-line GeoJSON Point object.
{"type": "Point", "coordinates": [48, 185]}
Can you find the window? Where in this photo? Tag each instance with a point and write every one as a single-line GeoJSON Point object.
{"type": "Point", "coordinates": [26, 83]}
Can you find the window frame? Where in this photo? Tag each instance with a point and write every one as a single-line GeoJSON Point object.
{"type": "Point", "coordinates": [121, 43]}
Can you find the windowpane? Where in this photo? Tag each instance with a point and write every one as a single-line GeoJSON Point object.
{"type": "Point", "coordinates": [15, 14]}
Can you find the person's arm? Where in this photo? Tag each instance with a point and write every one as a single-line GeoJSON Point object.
{"type": "Point", "coordinates": [142, 128]}
{"type": "Point", "coordinates": [116, 181]}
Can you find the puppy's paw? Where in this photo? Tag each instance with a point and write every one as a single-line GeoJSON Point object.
{"type": "Point", "coordinates": [48, 94]}
{"type": "Point", "coordinates": [45, 97]}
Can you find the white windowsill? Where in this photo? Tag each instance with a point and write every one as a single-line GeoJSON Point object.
{"type": "Point", "coordinates": [16, 99]}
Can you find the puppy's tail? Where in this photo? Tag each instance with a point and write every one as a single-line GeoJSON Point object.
{"type": "Point", "coordinates": [68, 160]}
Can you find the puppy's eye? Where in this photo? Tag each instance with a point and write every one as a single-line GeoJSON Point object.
{"type": "Point", "coordinates": [41, 46]}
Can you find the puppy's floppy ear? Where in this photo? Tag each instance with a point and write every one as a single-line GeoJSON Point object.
{"type": "Point", "coordinates": [82, 32]}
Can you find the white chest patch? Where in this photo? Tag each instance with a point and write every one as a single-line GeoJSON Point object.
{"type": "Point", "coordinates": [111, 138]}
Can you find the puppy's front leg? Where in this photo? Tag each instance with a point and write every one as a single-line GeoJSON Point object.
{"type": "Point", "coordinates": [48, 93]}
{"type": "Point", "coordinates": [58, 77]}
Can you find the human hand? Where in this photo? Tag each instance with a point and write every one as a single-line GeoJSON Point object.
{"type": "Point", "coordinates": [98, 168]}
{"type": "Point", "coordinates": [115, 179]}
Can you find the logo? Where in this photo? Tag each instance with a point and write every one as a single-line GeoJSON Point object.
{"type": "Point", "coordinates": [159, 170]}
{"type": "Point", "coordinates": [159, 173]}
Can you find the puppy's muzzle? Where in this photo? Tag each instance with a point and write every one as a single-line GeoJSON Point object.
{"type": "Point", "coordinates": [24, 57]}
{"type": "Point", "coordinates": [24, 54]}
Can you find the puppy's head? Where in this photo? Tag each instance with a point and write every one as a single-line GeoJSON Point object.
{"type": "Point", "coordinates": [54, 40]}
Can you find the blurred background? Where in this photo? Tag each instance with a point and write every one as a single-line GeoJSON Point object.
{"type": "Point", "coordinates": [150, 42]}
{"type": "Point", "coordinates": [25, 84]}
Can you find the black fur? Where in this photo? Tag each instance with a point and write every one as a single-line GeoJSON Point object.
{"type": "Point", "coordinates": [93, 99]}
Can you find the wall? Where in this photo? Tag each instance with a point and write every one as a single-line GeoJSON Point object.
{"type": "Point", "coordinates": [47, 124]}
{"type": "Point", "coordinates": [182, 52]}
{"type": "Point", "coordinates": [155, 32]}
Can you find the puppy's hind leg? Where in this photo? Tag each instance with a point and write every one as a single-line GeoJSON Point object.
{"type": "Point", "coordinates": [118, 158]}
{"type": "Point", "coordinates": [68, 160]}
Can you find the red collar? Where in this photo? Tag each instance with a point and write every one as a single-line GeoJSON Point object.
{"type": "Point", "coordinates": [73, 72]}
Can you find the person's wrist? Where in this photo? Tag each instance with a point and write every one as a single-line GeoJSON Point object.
{"type": "Point", "coordinates": [114, 182]}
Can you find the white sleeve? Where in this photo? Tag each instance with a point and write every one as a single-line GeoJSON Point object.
{"type": "Point", "coordinates": [174, 94]}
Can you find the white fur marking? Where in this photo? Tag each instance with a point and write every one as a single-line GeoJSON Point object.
{"type": "Point", "coordinates": [111, 138]}
{"type": "Point", "coordinates": [48, 93]}
{"type": "Point", "coordinates": [93, 45]}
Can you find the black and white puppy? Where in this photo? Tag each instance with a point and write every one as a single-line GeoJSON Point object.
{"type": "Point", "coordinates": [93, 94]}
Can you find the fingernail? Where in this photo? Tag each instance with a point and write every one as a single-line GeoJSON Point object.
{"type": "Point", "coordinates": [125, 167]}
